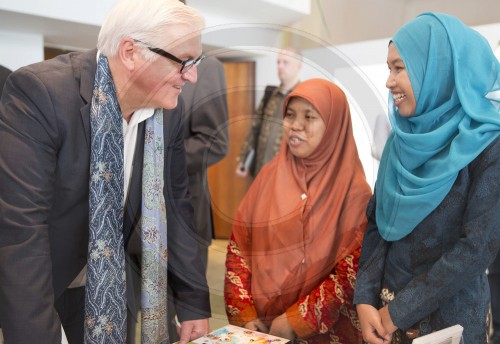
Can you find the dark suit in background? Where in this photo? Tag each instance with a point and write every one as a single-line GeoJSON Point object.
{"type": "Point", "coordinates": [4, 73]}
{"type": "Point", "coordinates": [44, 205]}
{"type": "Point", "coordinates": [206, 139]}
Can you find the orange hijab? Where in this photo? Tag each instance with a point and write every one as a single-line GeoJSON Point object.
{"type": "Point", "coordinates": [301, 216]}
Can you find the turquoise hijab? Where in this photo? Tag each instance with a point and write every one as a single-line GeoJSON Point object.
{"type": "Point", "coordinates": [456, 82]}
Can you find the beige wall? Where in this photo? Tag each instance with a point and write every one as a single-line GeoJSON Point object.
{"type": "Point", "coordinates": [347, 21]}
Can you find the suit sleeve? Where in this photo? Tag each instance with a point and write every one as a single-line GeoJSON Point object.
{"type": "Point", "coordinates": [371, 262]}
{"type": "Point", "coordinates": [28, 157]}
{"type": "Point", "coordinates": [208, 141]}
{"type": "Point", "coordinates": [186, 274]}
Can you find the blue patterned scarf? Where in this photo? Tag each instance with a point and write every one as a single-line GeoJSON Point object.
{"type": "Point", "coordinates": [105, 294]}
{"type": "Point", "coordinates": [456, 82]}
{"type": "Point", "coordinates": [154, 327]}
{"type": "Point", "coordinates": [105, 301]}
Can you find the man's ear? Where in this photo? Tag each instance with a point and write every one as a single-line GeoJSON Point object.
{"type": "Point", "coordinates": [299, 66]}
{"type": "Point", "coordinates": [127, 53]}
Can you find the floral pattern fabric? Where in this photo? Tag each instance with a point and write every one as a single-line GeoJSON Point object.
{"type": "Point", "coordinates": [105, 295]}
{"type": "Point", "coordinates": [326, 315]}
{"type": "Point", "coordinates": [154, 319]}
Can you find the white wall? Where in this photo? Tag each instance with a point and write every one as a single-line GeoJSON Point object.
{"type": "Point", "coordinates": [18, 49]}
{"type": "Point", "coordinates": [26, 26]}
{"type": "Point", "coordinates": [491, 32]}
{"type": "Point", "coordinates": [88, 12]}
{"type": "Point", "coordinates": [74, 25]}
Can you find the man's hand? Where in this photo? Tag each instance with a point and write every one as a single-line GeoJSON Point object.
{"type": "Point", "coordinates": [256, 325]}
{"type": "Point", "coordinates": [371, 325]}
{"type": "Point", "coordinates": [192, 329]}
{"type": "Point", "coordinates": [280, 327]}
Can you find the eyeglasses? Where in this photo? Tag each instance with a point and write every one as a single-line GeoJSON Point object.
{"type": "Point", "coordinates": [185, 65]}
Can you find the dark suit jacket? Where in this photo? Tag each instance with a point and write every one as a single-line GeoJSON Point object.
{"type": "Point", "coordinates": [44, 173]}
{"type": "Point", "coordinates": [4, 73]}
{"type": "Point", "coordinates": [206, 137]}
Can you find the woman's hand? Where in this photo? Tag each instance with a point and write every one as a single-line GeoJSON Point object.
{"type": "Point", "coordinates": [256, 325]}
{"type": "Point", "coordinates": [371, 325]}
{"type": "Point", "coordinates": [386, 320]}
{"type": "Point", "coordinates": [280, 327]}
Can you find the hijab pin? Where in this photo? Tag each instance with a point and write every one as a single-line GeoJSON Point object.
{"type": "Point", "coordinates": [303, 196]}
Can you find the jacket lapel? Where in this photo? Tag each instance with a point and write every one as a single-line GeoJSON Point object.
{"type": "Point", "coordinates": [133, 202]}
{"type": "Point", "coordinates": [84, 69]}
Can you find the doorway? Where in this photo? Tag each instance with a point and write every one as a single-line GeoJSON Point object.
{"type": "Point", "coordinates": [226, 189]}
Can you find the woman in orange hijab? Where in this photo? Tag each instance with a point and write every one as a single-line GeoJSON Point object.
{"type": "Point", "coordinates": [293, 255]}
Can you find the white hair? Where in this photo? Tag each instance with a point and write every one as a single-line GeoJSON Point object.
{"type": "Point", "coordinates": [145, 21]}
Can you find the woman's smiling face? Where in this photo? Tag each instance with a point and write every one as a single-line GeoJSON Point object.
{"type": "Point", "coordinates": [399, 83]}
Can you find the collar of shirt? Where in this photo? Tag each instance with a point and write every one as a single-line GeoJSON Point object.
{"type": "Point", "coordinates": [129, 142]}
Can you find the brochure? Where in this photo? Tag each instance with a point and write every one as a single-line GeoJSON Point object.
{"type": "Point", "coordinates": [449, 335]}
{"type": "Point", "coordinates": [234, 334]}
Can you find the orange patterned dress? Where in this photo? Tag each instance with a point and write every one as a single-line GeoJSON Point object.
{"type": "Point", "coordinates": [326, 315]}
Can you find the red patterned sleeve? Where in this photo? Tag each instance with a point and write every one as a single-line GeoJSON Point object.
{"type": "Point", "coordinates": [332, 299]}
{"type": "Point", "coordinates": [239, 303]}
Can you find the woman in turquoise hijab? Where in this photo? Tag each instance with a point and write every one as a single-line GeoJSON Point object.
{"type": "Point", "coordinates": [434, 220]}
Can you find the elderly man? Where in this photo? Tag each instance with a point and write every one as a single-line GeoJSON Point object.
{"type": "Point", "coordinates": [93, 173]}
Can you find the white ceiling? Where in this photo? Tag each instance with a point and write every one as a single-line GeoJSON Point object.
{"type": "Point", "coordinates": [65, 25]}
{"type": "Point", "coordinates": [331, 21]}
